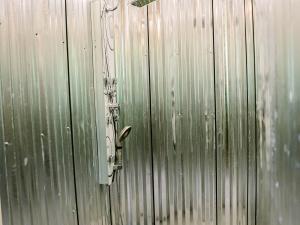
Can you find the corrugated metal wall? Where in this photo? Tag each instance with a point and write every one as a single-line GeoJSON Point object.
{"type": "Point", "coordinates": [37, 175]}
{"type": "Point", "coordinates": [235, 106]}
{"type": "Point", "coordinates": [93, 199]}
{"type": "Point", "coordinates": [36, 167]}
{"type": "Point", "coordinates": [277, 35]}
{"type": "Point", "coordinates": [174, 42]}
{"type": "Point", "coordinates": [198, 63]}
{"type": "Point", "coordinates": [1, 223]}
{"type": "Point", "coordinates": [133, 196]}
{"type": "Point", "coordinates": [187, 74]}
{"type": "Point", "coordinates": [183, 111]}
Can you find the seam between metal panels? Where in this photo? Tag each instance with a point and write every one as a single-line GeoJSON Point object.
{"type": "Point", "coordinates": [110, 208]}
{"type": "Point", "coordinates": [255, 112]}
{"type": "Point", "coordinates": [70, 111]}
{"type": "Point", "coordinates": [247, 90]}
{"type": "Point", "coordinates": [215, 105]}
{"type": "Point", "coordinates": [150, 118]}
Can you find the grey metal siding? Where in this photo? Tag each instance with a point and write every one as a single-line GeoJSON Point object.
{"type": "Point", "coordinates": [36, 175]}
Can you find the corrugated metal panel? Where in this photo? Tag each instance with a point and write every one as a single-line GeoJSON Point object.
{"type": "Point", "coordinates": [93, 201]}
{"type": "Point", "coordinates": [2, 165]}
{"type": "Point", "coordinates": [251, 116]}
{"type": "Point", "coordinates": [277, 35]}
{"type": "Point", "coordinates": [183, 111]}
{"type": "Point", "coordinates": [36, 175]}
{"type": "Point", "coordinates": [99, 70]}
{"type": "Point", "coordinates": [1, 223]}
{"type": "Point", "coordinates": [234, 97]}
{"type": "Point", "coordinates": [134, 204]}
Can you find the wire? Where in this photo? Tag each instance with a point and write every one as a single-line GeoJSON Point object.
{"type": "Point", "coordinates": [108, 46]}
{"type": "Point", "coordinates": [106, 39]}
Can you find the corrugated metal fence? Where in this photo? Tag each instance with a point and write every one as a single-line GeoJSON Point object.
{"type": "Point", "coordinates": [210, 87]}
{"type": "Point", "coordinates": [204, 122]}
{"type": "Point", "coordinates": [202, 111]}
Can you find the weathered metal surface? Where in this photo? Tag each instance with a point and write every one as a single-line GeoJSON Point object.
{"type": "Point", "coordinates": [132, 198]}
{"type": "Point", "coordinates": [1, 223]}
{"type": "Point", "coordinates": [182, 43]}
{"type": "Point", "coordinates": [36, 169]}
{"type": "Point", "coordinates": [277, 48]}
{"type": "Point", "coordinates": [93, 199]}
{"type": "Point", "coordinates": [200, 51]}
{"type": "Point", "coordinates": [251, 116]}
{"type": "Point", "coordinates": [235, 106]}
{"type": "Point", "coordinates": [183, 111]}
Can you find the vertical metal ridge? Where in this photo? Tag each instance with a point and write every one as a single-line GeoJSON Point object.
{"type": "Point", "coordinates": [150, 115]}
{"type": "Point", "coordinates": [247, 88]}
{"type": "Point", "coordinates": [70, 112]}
{"type": "Point", "coordinates": [251, 109]}
{"type": "Point", "coordinates": [215, 115]}
{"type": "Point", "coordinates": [231, 111]}
{"type": "Point", "coordinates": [92, 199]}
{"type": "Point", "coordinates": [255, 114]}
{"type": "Point", "coordinates": [182, 67]}
{"type": "Point", "coordinates": [133, 76]}
{"type": "Point", "coordinates": [110, 205]}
